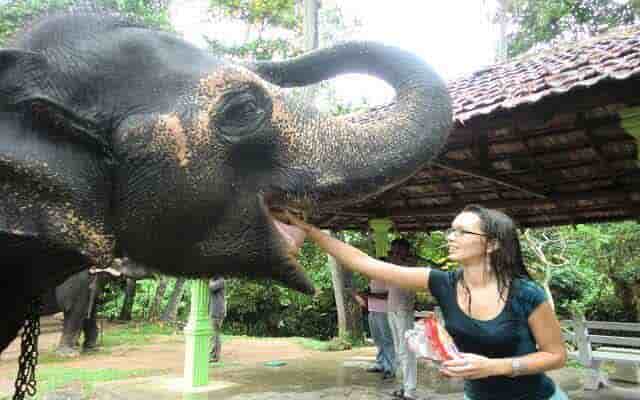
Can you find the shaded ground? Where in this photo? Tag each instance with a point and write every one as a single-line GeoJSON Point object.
{"type": "Point", "coordinates": [153, 369]}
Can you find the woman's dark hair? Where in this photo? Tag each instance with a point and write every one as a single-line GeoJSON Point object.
{"type": "Point", "coordinates": [506, 258]}
{"type": "Point", "coordinates": [401, 242]}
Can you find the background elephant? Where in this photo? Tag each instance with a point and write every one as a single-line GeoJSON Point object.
{"type": "Point", "coordinates": [76, 298]}
{"type": "Point", "coordinates": [120, 139]}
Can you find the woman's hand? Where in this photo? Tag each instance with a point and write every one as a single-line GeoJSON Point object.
{"type": "Point", "coordinates": [290, 219]}
{"type": "Point", "coordinates": [472, 366]}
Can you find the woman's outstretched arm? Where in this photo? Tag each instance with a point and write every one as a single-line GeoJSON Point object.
{"type": "Point", "coordinates": [414, 278]}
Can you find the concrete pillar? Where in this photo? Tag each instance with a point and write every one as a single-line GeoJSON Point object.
{"type": "Point", "coordinates": [198, 334]}
{"type": "Point", "coordinates": [380, 227]}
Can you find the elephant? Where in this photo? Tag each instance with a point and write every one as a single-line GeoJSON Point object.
{"type": "Point", "coordinates": [117, 138]}
{"type": "Point", "coordinates": [76, 298]}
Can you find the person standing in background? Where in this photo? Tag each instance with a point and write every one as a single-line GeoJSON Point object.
{"type": "Point", "coordinates": [380, 330]}
{"type": "Point", "coordinates": [217, 313]}
{"type": "Point", "coordinates": [400, 311]}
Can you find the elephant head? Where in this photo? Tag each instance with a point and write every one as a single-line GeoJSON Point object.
{"type": "Point", "coordinates": [119, 139]}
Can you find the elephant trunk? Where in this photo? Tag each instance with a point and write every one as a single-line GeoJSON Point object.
{"type": "Point", "coordinates": [358, 155]}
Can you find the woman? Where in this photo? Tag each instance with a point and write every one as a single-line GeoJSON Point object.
{"type": "Point", "coordinates": [498, 317]}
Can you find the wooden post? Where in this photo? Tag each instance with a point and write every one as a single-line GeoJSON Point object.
{"type": "Point", "coordinates": [198, 334]}
{"type": "Point", "coordinates": [594, 377]}
{"type": "Point", "coordinates": [380, 229]}
{"type": "Point", "coordinates": [349, 312]}
{"type": "Point", "coordinates": [582, 340]}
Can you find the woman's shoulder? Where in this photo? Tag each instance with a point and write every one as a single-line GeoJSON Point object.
{"type": "Point", "coordinates": [528, 293]}
{"type": "Point", "coordinates": [440, 282]}
{"type": "Point", "coordinates": [442, 275]}
{"type": "Point", "coordinates": [527, 286]}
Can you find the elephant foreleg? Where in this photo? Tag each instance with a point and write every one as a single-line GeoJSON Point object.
{"type": "Point", "coordinates": [90, 329]}
{"type": "Point", "coordinates": [68, 345]}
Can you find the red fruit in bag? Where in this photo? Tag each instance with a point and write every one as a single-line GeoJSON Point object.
{"type": "Point", "coordinates": [440, 340]}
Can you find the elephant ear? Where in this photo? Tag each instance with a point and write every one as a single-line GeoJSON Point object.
{"type": "Point", "coordinates": [25, 80]}
{"type": "Point", "coordinates": [55, 180]}
{"type": "Point", "coordinates": [21, 73]}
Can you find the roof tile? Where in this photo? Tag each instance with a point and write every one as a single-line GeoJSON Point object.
{"type": "Point", "coordinates": [533, 77]}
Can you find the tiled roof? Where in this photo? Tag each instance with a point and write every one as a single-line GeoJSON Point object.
{"type": "Point", "coordinates": [530, 78]}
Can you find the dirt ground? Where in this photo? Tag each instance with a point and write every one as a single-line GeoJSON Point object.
{"type": "Point", "coordinates": [237, 350]}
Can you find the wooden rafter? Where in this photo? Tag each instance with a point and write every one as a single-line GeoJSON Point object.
{"type": "Point", "coordinates": [612, 196]}
{"type": "Point", "coordinates": [507, 182]}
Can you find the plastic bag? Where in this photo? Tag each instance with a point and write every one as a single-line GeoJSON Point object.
{"type": "Point", "coordinates": [428, 339]}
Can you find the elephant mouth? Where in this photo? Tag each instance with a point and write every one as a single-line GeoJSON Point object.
{"type": "Point", "coordinates": [291, 236]}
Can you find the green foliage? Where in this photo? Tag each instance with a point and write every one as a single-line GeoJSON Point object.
{"type": "Point", "coordinates": [268, 309]}
{"type": "Point", "coordinates": [567, 287]}
{"type": "Point", "coordinates": [146, 10]}
{"type": "Point", "coordinates": [262, 16]}
{"type": "Point", "coordinates": [432, 247]}
{"type": "Point", "coordinates": [541, 22]}
{"type": "Point", "coordinates": [259, 49]}
{"type": "Point", "coordinates": [333, 27]}
{"type": "Point", "coordinates": [600, 275]}
{"type": "Point", "coordinates": [274, 13]}
{"type": "Point", "coordinates": [15, 14]}
{"type": "Point", "coordinates": [113, 297]}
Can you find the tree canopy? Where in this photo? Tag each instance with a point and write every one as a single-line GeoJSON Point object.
{"type": "Point", "coordinates": [15, 14]}
{"type": "Point", "coordinates": [537, 23]}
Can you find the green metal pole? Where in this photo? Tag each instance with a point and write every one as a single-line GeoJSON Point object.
{"type": "Point", "coordinates": [198, 334]}
{"type": "Point", "coordinates": [380, 227]}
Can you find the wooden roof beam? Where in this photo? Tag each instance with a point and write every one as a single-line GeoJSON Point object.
{"type": "Point", "coordinates": [570, 164]}
{"type": "Point", "coordinates": [576, 146]}
{"type": "Point", "coordinates": [538, 168]}
{"type": "Point", "coordinates": [464, 142]}
{"type": "Point", "coordinates": [605, 163]}
{"type": "Point", "coordinates": [484, 175]}
{"type": "Point", "coordinates": [620, 196]}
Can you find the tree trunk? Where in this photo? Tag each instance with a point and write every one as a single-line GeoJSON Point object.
{"type": "Point", "coordinates": [311, 24]}
{"type": "Point", "coordinates": [310, 33]}
{"type": "Point", "coordinates": [502, 45]}
{"type": "Point", "coordinates": [129, 296]}
{"type": "Point", "coordinates": [545, 284]}
{"type": "Point", "coordinates": [170, 312]}
{"type": "Point", "coordinates": [624, 291]}
{"type": "Point", "coordinates": [635, 290]}
{"type": "Point", "coordinates": [349, 312]}
{"type": "Point", "coordinates": [353, 312]}
{"type": "Point", "coordinates": [157, 301]}
{"type": "Point", "coordinates": [337, 277]}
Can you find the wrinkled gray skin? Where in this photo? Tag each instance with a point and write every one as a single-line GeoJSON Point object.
{"type": "Point", "coordinates": [117, 139]}
{"type": "Point", "coordinates": [75, 299]}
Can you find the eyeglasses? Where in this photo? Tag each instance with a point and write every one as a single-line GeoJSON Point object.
{"type": "Point", "coordinates": [459, 232]}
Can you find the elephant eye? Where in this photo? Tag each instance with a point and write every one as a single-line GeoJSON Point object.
{"type": "Point", "coordinates": [240, 115]}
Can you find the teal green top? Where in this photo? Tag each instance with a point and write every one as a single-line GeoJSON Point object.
{"type": "Point", "coordinates": [507, 335]}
